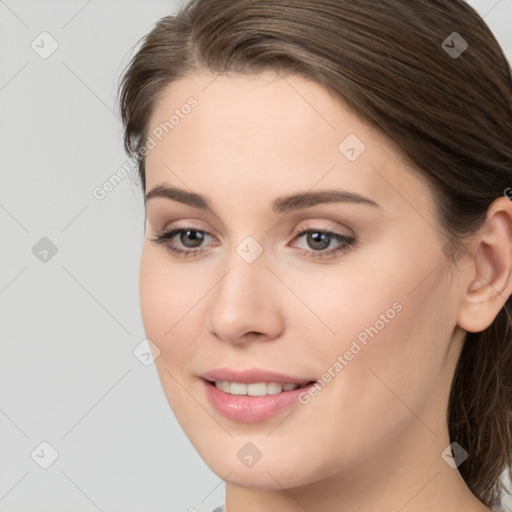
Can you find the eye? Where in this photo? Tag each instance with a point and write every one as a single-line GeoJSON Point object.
{"type": "Point", "coordinates": [317, 239]}
{"type": "Point", "coordinates": [189, 237]}
{"type": "Point", "coordinates": [320, 239]}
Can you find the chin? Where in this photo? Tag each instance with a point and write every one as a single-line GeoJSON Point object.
{"type": "Point", "coordinates": [273, 472]}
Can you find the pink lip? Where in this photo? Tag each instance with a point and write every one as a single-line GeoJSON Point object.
{"type": "Point", "coordinates": [250, 409]}
{"type": "Point", "coordinates": [252, 375]}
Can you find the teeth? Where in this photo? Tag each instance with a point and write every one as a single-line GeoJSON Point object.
{"type": "Point", "coordinates": [254, 389]}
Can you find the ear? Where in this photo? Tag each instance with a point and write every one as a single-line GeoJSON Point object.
{"type": "Point", "coordinates": [489, 282]}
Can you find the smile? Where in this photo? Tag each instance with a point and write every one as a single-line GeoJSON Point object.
{"type": "Point", "coordinates": [255, 388]}
{"type": "Point", "coordinates": [253, 402]}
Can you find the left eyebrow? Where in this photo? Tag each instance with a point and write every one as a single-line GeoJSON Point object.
{"type": "Point", "coordinates": [308, 199]}
{"type": "Point", "coordinates": [282, 204]}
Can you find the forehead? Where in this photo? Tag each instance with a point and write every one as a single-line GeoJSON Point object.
{"type": "Point", "coordinates": [264, 103]}
{"type": "Point", "coordinates": [284, 130]}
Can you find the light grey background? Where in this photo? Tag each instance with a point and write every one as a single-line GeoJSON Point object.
{"type": "Point", "coordinates": [69, 325]}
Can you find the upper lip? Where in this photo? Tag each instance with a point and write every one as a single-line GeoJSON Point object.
{"type": "Point", "coordinates": [252, 375]}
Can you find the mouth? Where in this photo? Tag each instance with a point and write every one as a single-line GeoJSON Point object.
{"type": "Point", "coordinates": [253, 402]}
{"type": "Point", "coordinates": [256, 388]}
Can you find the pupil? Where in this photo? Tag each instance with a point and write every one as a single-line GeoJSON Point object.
{"type": "Point", "coordinates": [195, 236]}
{"type": "Point", "coordinates": [318, 241]}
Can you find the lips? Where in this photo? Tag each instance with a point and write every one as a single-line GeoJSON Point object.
{"type": "Point", "coordinates": [253, 375]}
{"type": "Point", "coordinates": [251, 409]}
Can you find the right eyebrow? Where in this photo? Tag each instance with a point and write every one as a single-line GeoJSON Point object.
{"type": "Point", "coordinates": [180, 195]}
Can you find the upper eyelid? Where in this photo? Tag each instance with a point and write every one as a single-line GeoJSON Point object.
{"type": "Point", "coordinates": [302, 227]}
{"type": "Point", "coordinates": [295, 231]}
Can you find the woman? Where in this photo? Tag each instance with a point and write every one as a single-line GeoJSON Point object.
{"type": "Point", "coordinates": [327, 267]}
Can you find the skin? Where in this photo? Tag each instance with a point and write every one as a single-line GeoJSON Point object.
{"type": "Point", "coordinates": [372, 439]}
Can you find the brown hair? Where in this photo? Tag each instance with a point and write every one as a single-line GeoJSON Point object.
{"type": "Point", "coordinates": [450, 116]}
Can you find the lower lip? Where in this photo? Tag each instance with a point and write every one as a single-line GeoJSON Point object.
{"type": "Point", "coordinates": [250, 409]}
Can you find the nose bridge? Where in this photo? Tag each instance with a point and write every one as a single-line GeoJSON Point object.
{"type": "Point", "coordinates": [245, 297]}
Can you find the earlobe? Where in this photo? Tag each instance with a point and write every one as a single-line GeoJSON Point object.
{"type": "Point", "coordinates": [490, 280]}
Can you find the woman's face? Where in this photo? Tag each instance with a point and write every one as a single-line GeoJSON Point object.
{"type": "Point", "coordinates": [364, 302]}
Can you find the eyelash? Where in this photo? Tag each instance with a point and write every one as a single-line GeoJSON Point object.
{"type": "Point", "coordinates": [346, 242]}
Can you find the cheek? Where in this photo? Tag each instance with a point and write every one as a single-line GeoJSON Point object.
{"type": "Point", "coordinates": [339, 304]}
{"type": "Point", "coordinates": [392, 322]}
{"type": "Point", "coordinates": [393, 372]}
{"type": "Point", "coordinates": [399, 353]}
{"type": "Point", "coordinates": [167, 298]}
{"type": "Point", "coordinates": [168, 290]}
{"type": "Point", "coordinates": [154, 300]}
{"type": "Point", "coordinates": [385, 298]}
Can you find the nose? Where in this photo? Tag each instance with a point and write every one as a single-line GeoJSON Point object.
{"type": "Point", "coordinates": [245, 305]}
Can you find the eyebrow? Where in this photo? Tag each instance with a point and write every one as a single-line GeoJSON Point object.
{"type": "Point", "coordinates": [282, 204]}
